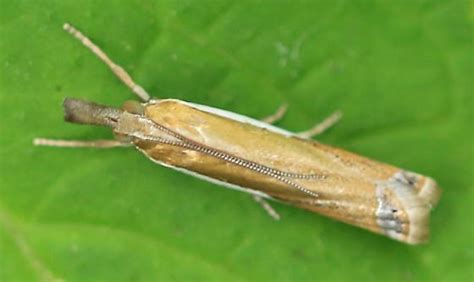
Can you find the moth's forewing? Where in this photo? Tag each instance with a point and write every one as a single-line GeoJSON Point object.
{"type": "Point", "coordinates": [350, 188]}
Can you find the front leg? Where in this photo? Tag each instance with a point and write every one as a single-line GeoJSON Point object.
{"type": "Point", "coordinates": [80, 143]}
{"type": "Point", "coordinates": [116, 69]}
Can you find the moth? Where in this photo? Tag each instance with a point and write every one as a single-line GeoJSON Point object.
{"type": "Point", "coordinates": [258, 158]}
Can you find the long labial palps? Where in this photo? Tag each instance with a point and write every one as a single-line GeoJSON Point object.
{"type": "Point", "coordinates": [84, 112]}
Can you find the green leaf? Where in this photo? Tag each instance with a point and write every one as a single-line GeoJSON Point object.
{"type": "Point", "coordinates": [401, 71]}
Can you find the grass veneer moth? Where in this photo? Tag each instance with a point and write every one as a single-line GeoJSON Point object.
{"type": "Point", "coordinates": [267, 162]}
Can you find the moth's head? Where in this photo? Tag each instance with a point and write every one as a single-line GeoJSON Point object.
{"type": "Point", "coordinates": [133, 107]}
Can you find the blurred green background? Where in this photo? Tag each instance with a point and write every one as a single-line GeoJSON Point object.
{"type": "Point", "coordinates": [401, 71]}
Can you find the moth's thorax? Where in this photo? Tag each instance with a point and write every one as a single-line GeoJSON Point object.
{"type": "Point", "coordinates": [343, 185]}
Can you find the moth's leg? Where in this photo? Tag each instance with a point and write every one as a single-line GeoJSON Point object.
{"type": "Point", "coordinates": [267, 207]}
{"type": "Point", "coordinates": [118, 70]}
{"type": "Point", "coordinates": [80, 143]}
{"type": "Point", "coordinates": [321, 127]}
{"type": "Point", "coordinates": [280, 112]}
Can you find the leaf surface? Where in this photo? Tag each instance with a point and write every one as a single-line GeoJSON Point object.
{"type": "Point", "coordinates": [401, 71]}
